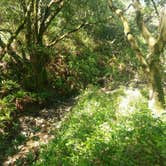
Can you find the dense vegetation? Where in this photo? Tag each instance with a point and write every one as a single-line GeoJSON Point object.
{"type": "Point", "coordinates": [97, 133]}
{"type": "Point", "coordinates": [108, 56]}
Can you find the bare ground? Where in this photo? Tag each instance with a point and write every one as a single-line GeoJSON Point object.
{"type": "Point", "coordinates": [35, 129]}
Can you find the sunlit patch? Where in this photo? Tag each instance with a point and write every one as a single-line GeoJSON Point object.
{"type": "Point", "coordinates": [105, 127]}
{"type": "Point", "coordinates": [152, 41]}
{"type": "Point", "coordinates": [156, 108]}
{"type": "Point", "coordinates": [128, 101]}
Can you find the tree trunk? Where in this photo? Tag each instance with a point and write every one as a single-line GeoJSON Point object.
{"type": "Point", "coordinates": [156, 96]}
{"type": "Point", "coordinates": [151, 64]}
{"type": "Point", "coordinates": [38, 61]}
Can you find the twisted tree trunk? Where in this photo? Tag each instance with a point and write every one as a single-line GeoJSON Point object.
{"type": "Point", "coordinates": [156, 93]}
{"type": "Point", "coordinates": [151, 64]}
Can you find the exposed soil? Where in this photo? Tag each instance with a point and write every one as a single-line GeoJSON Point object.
{"type": "Point", "coordinates": [34, 129]}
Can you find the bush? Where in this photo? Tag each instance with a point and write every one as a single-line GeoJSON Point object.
{"type": "Point", "coordinates": [14, 98]}
{"type": "Point", "coordinates": [7, 106]}
{"type": "Point", "coordinates": [94, 134]}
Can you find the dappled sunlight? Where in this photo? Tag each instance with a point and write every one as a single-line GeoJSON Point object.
{"type": "Point", "coordinates": [34, 130]}
{"type": "Point", "coordinates": [128, 101]}
{"type": "Point", "coordinates": [156, 108]}
{"type": "Point", "coordinates": [82, 83]}
{"type": "Point", "coordinates": [104, 138]}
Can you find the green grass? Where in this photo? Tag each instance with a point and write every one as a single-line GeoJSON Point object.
{"type": "Point", "coordinates": [95, 133]}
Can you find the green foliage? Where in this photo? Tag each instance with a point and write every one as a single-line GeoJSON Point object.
{"type": "Point", "coordinates": [89, 56]}
{"type": "Point", "coordinates": [94, 133]}
{"type": "Point", "coordinates": [12, 92]}
{"type": "Point", "coordinates": [6, 108]}
{"type": "Point", "coordinates": [79, 67]}
{"type": "Point", "coordinates": [9, 85]}
{"type": "Point", "coordinates": [7, 105]}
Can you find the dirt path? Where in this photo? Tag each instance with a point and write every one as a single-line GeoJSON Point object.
{"type": "Point", "coordinates": [36, 129]}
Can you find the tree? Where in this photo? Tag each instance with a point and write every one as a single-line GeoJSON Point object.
{"type": "Point", "coordinates": [151, 61]}
{"type": "Point", "coordinates": [37, 29]}
{"type": "Point", "coordinates": [29, 50]}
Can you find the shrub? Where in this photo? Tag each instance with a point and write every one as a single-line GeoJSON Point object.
{"type": "Point", "coordinates": [93, 134]}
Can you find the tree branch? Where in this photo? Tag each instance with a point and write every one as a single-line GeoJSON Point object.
{"type": "Point", "coordinates": [128, 7]}
{"type": "Point", "coordinates": [29, 26]}
{"type": "Point", "coordinates": [141, 25]}
{"type": "Point", "coordinates": [2, 44]}
{"type": "Point", "coordinates": [161, 41]}
{"type": "Point", "coordinates": [52, 16]}
{"type": "Point", "coordinates": [6, 31]}
{"type": "Point", "coordinates": [7, 47]}
{"type": "Point", "coordinates": [162, 26]}
{"type": "Point", "coordinates": [23, 5]}
{"type": "Point", "coordinates": [36, 11]}
{"type": "Point", "coordinates": [3, 48]}
{"type": "Point", "coordinates": [155, 7]}
{"type": "Point", "coordinates": [48, 17]}
{"type": "Point", "coordinates": [14, 55]}
{"type": "Point", "coordinates": [57, 39]}
{"type": "Point", "coordinates": [127, 31]}
{"type": "Point", "coordinates": [16, 33]}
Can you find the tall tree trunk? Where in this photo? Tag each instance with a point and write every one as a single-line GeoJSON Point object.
{"type": "Point", "coordinates": [156, 96]}
{"type": "Point", "coordinates": [38, 60]}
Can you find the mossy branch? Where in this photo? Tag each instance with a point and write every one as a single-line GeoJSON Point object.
{"type": "Point", "coordinates": [141, 25]}
{"type": "Point", "coordinates": [127, 31]}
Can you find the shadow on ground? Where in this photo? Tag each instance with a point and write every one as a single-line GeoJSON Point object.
{"type": "Point", "coordinates": [31, 129]}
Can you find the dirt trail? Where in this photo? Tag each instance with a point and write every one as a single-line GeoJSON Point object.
{"type": "Point", "coordinates": [37, 129]}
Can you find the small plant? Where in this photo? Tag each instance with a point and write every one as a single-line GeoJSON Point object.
{"type": "Point", "coordinates": [7, 106]}
{"type": "Point", "coordinates": [9, 85]}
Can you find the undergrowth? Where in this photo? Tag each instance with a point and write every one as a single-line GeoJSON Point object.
{"type": "Point", "coordinates": [15, 100]}
{"type": "Point", "coordinates": [93, 133]}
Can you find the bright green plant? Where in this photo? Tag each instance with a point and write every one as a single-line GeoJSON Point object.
{"type": "Point", "coordinates": [9, 85]}
{"type": "Point", "coordinates": [6, 108]}
{"type": "Point", "coordinates": [94, 134]}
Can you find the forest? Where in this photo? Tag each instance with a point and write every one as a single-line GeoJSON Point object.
{"type": "Point", "coordinates": [82, 82]}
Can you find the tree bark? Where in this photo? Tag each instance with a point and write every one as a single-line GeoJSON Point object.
{"type": "Point", "coordinates": [156, 92]}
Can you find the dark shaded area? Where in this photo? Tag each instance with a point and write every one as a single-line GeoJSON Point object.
{"type": "Point", "coordinates": [34, 123]}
